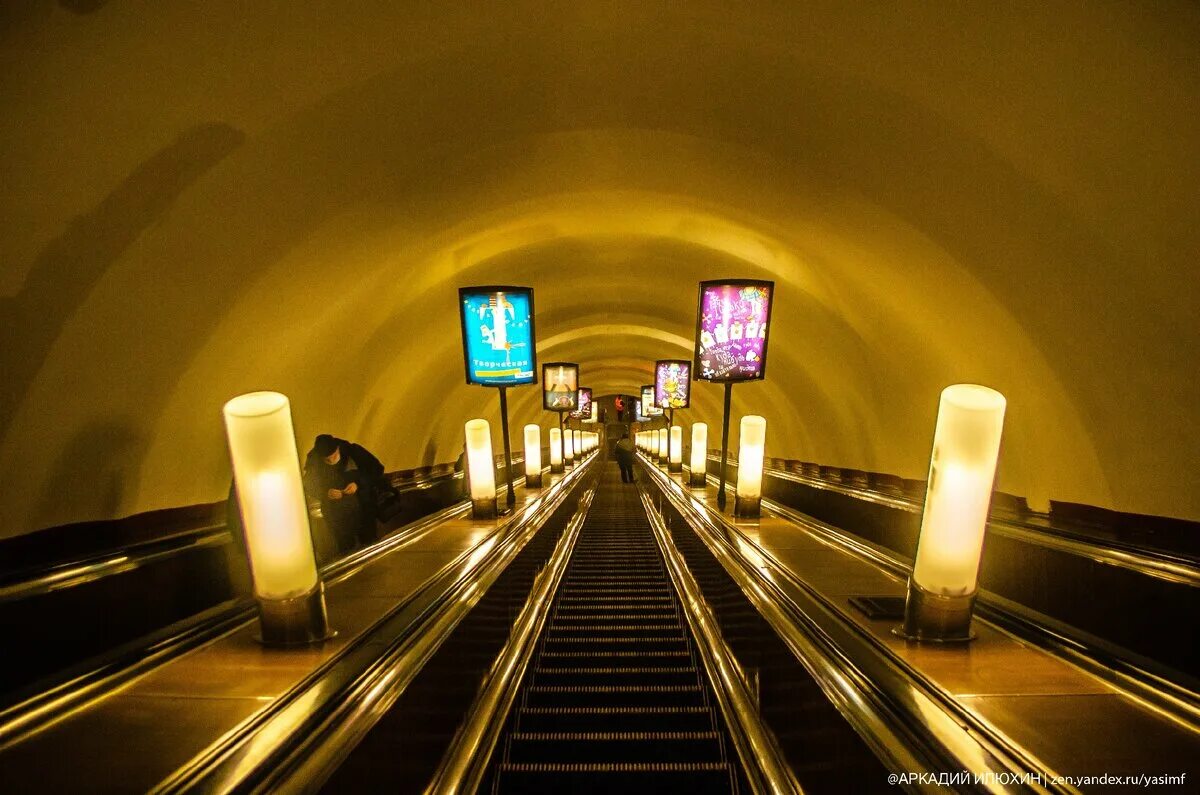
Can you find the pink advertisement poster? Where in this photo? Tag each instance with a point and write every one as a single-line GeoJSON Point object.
{"type": "Point", "coordinates": [672, 383]}
{"type": "Point", "coordinates": [731, 330]}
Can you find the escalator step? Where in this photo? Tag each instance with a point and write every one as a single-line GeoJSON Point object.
{"type": "Point", "coordinates": [600, 719]}
{"type": "Point", "coordinates": [572, 600]}
{"type": "Point", "coordinates": [614, 695]}
{"type": "Point", "coordinates": [581, 779]}
{"type": "Point", "coordinates": [554, 655]}
{"type": "Point", "coordinates": [623, 629]}
{"type": "Point", "coordinates": [619, 644]}
{"type": "Point", "coordinates": [645, 617]}
{"type": "Point", "coordinates": [615, 676]}
{"type": "Point", "coordinates": [614, 747]}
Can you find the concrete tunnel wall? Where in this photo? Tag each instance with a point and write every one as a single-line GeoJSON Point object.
{"type": "Point", "coordinates": [206, 199]}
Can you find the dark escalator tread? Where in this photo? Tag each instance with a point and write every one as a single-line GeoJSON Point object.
{"type": "Point", "coordinates": [613, 700]}
{"type": "Point", "coordinates": [648, 675]}
{"type": "Point", "coordinates": [614, 695]}
{"type": "Point", "coordinates": [582, 779]}
{"type": "Point", "coordinates": [621, 747]}
{"type": "Point", "coordinates": [607, 719]}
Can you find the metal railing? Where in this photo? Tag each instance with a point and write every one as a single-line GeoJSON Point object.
{"type": "Point", "coordinates": [301, 738]}
{"type": "Point", "coordinates": [465, 763]}
{"type": "Point", "coordinates": [910, 722]}
{"type": "Point", "coordinates": [762, 759]}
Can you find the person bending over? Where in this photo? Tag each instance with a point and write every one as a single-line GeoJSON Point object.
{"type": "Point", "coordinates": [345, 477]}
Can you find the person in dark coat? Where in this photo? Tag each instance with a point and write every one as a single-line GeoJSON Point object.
{"type": "Point", "coordinates": [345, 477]}
{"type": "Point", "coordinates": [624, 451]}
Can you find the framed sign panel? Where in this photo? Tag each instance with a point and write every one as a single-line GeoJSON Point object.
{"type": "Point", "coordinates": [672, 383]}
{"type": "Point", "coordinates": [498, 335]}
{"type": "Point", "coordinates": [560, 386]}
{"type": "Point", "coordinates": [732, 321]}
{"type": "Point", "coordinates": [649, 409]}
{"type": "Point", "coordinates": [584, 409]}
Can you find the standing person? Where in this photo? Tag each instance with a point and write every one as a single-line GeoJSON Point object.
{"type": "Point", "coordinates": [464, 486]}
{"type": "Point", "coordinates": [345, 478]}
{"type": "Point", "coordinates": [624, 453]}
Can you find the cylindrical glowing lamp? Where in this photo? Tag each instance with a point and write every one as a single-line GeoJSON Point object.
{"type": "Point", "coordinates": [568, 447]}
{"type": "Point", "coordinates": [266, 471]}
{"type": "Point", "coordinates": [661, 449]}
{"type": "Point", "coordinates": [752, 440]}
{"type": "Point", "coordinates": [675, 463]}
{"type": "Point", "coordinates": [966, 445]}
{"type": "Point", "coordinates": [482, 467]}
{"type": "Point", "coordinates": [556, 451]}
{"type": "Point", "coordinates": [533, 456]}
{"type": "Point", "coordinates": [699, 459]}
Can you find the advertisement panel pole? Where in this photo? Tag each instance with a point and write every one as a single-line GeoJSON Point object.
{"type": "Point", "coordinates": [732, 319]}
{"type": "Point", "coordinates": [499, 348]}
{"type": "Point", "coordinates": [724, 443]}
{"type": "Point", "coordinates": [511, 498]}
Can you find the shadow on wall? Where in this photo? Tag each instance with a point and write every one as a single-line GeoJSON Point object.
{"type": "Point", "coordinates": [73, 263]}
{"type": "Point", "coordinates": [111, 452]}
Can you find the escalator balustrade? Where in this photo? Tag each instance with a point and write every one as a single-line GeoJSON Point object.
{"type": "Point", "coordinates": [614, 699]}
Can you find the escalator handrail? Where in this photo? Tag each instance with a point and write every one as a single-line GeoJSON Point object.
{"type": "Point", "coordinates": [1146, 561]}
{"type": "Point", "coordinates": [911, 723]}
{"type": "Point", "coordinates": [762, 759]}
{"type": "Point", "coordinates": [57, 575]}
{"type": "Point", "coordinates": [297, 741]}
{"type": "Point", "coordinates": [1139, 679]}
{"type": "Point", "coordinates": [105, 673]}
{"type": "Point", "coordinates": [35, 581]}
{"type": "Point", "coordinates": [465, 763]}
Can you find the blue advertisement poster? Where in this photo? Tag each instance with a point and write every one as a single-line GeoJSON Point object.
{"type": "Point", "coordinates": [498, 337]}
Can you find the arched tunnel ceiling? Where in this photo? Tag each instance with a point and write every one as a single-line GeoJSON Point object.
{"type": "Point", "coordinates": [206, 200]}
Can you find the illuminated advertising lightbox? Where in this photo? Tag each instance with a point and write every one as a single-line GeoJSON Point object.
{"type": "Point", "coordinates": [637, 410]}
{"type": "Point", "coordinates": [731, 330]}
{"type": "Point", "coordinates": [560, 382]}
{"type": "Point", "coordinates": [672, 383]}
{"type": "Point", "coordinates": [498, 338]}
{"type": "Point", "coordinates": [585, 404]}
{"type": "Point", "coordinates": [648, 407]}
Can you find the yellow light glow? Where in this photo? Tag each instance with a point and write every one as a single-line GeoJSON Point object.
{"type": "Point", "coordinates": [556, 445]}
{"type": "Point", "coordinates": [699, 459]}
{"type": "Point", "coordinates": [480, 460]}
{"type": "Point", "coordinates": [533, 453]}
{"type": "Point", "coordinates": [752, 440]}
{"type": "Point", "coordinates": [676, 448]}
{"type": "Point", "coordinates": [663, 444]}
{"type": "Point", "coordinates": [266, 469]}
{"type": "Point", "coordinates": [568, 446]}
{"type": "Point", "coordinates": [966, 445]}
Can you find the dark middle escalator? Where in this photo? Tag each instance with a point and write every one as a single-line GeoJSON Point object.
{"type": "Point", "coordinates": [614, 699]}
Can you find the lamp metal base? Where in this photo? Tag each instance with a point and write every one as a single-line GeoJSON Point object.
{"type": "Point", "coordinates": [299, 621]}
{"type": "Point", "coordinates": [747, 507]}
{"type": "Point", "coordinates": [930, 617]}
{"type": "Point", "coordinates": [483, 509]}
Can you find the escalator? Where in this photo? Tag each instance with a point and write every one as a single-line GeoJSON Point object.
{"type": "Point", "coordinates": [614, 698]}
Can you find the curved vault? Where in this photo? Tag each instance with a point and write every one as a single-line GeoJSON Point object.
{"type": "Point", "coordinates": [930, 213]}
